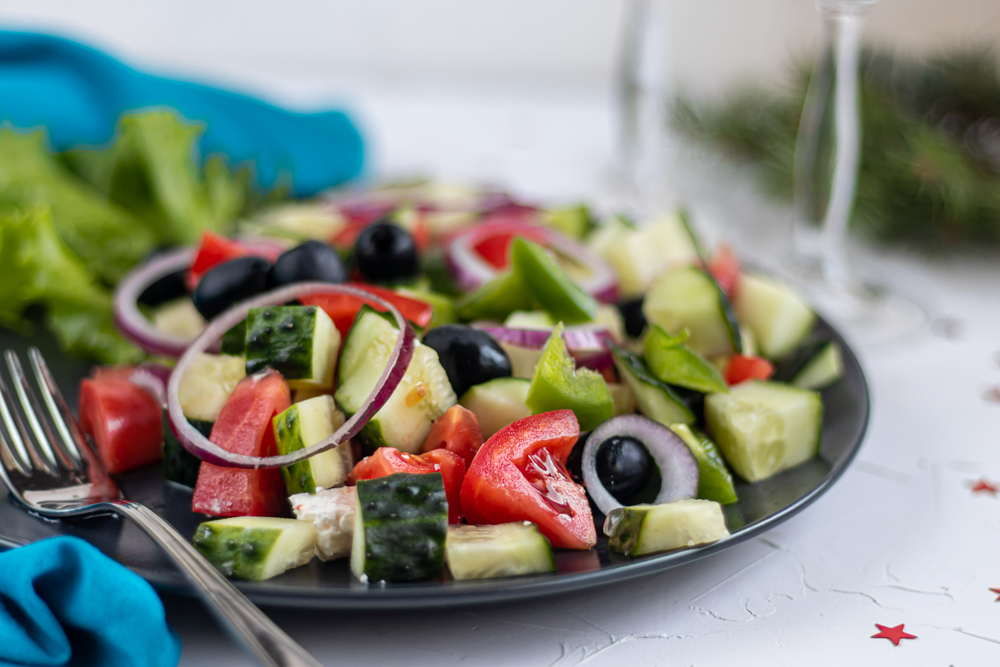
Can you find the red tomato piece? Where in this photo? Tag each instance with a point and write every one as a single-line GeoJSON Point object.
{"type": "Point", "coordinates": [342, 308]}
{"type": "Point", "coordinates": [741, 369]}
{"type": "Point", "coordinates": [725, 268]}
{"type": "Point", "coordinates": [495, 239]}
{"type": "Point", "coordinates": [214, 250]}
{"type": "Point", "coordinates": [123, 419]}
{"type": "Point", "coordinates": [457, 430]}
{"type": "Point", "coordinates": [520, 474]}
{"type": "Point", "coordinates": [244, 427]}
{"type": "Point", "coordinates": [389, 461]}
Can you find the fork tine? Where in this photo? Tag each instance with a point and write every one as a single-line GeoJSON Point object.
{"type": "Point", "coordinates": [71, 439]}
{"type": "Point", "coordinates": [19, 435]}
{"type": "Point", "coordinates": [11, 460]}
{"type": "Point", "coordinates": [31, 410]}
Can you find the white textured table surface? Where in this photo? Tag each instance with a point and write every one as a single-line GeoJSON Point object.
{"type": "Point", "coordinates": [901, 538]}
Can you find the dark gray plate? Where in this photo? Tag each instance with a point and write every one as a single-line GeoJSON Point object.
{"type": "Point", "coordinates": [330, 585]}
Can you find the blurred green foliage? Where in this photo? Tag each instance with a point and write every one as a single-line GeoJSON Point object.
{"type": "Point", "coordinates": [930, 159]}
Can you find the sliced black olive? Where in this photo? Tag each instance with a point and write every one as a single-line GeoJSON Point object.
{"type": "Point", "coordinates": [635, 319]}
{"type": "Point", "coordinates": [167, 288]}
{"type": "Point", "coordinates": [386, 253]}
{"type": "Point", "coordinates": [313, 261]}
{"type": "Point", "coordinates": [230, 282]}
{"type": "Point", "coordinates": [469, 356]}
{"type": "Point", "coordinates": [624, 466]}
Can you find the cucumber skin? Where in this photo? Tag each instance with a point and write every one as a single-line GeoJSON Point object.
{"type": "Point", "coordinates": [234, 341]}
{"type": "Point", "coordinates": [179, 465]}
{"type": "Point", "coordinates": [281, 337]}
{"type": "Point", "coordinates": [405, 523]}
{"type": "Point", "coordinates": [298, 476]}
{"type": "Point", "coordinates": [237, 552]}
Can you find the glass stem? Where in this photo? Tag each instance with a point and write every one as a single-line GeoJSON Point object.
{"type": "Point", "coordinates": [846, 28]}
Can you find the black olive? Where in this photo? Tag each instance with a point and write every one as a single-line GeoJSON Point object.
{"type": "Point", "coordinates": [574, 462]}
{"type": "Point", "coordinates": [230, 282]}
{"type": "Point", "coordinates": [386, 253]}
{"type": "Point", "coordinates": [167, 288]}
{"type": "Point", "coordinates": [469, 356]}
{"type": "Point", "coordinates": [635, 319]}
{"type": "Point", "coordinates": [313, 261]}
{"type": "Point", "coordinates": [624, 466]}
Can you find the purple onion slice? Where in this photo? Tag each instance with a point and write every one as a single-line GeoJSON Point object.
{"type": "Point", "coordinates": [678, 467]}
{"type": "Point", "coordinates": [130, 321]}
{"type": "Point", "coordinates": [208, 451]}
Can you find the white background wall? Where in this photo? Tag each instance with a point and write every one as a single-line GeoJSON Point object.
{"type": "Point", "coordinates": [544, 43]}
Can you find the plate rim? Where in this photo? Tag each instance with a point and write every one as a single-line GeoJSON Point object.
{"type": "Point", "coordinates": [423, 596]}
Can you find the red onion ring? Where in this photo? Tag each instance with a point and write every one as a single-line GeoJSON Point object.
{"type": "Point", "coordinates": [130, 321]}
{"type": "Point", "coordinates": [196, 443]}
{"type": "Point", "coordinates": [470, 270]}
{"type": "Point", "coordinates": [588, 345]}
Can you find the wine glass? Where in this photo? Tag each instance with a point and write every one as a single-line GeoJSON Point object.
{"type": "Point", "coordinates": [827, 154]}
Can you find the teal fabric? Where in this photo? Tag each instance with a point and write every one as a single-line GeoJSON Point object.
{"type": "Point", "coordinates": [63, 602]}
{"type": "Point", "coordinates": [78, 93]}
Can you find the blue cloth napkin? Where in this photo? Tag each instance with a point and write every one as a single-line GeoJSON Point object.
{"type": "Point", "coordinates": [63, 602]}
{"type": "Point", "coordinates": [78, 93]}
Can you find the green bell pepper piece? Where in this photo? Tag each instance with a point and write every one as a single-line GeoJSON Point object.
{"type": "Point", "coordinates": [671, 361]}
{"type": "Point", "coordinates": [495, 300]}
{"type": "Point", "coordinates": [549, 284]}
{"type": "Point", "coordinates": [714, 480]}
{"type": "Point", "coordinates": [557, 384]}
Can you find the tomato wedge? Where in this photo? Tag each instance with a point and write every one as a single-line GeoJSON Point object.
{"type": "Point", "coordinates": [389, 461]}
{"type": "Point", "coordinates": [123, 419]}
{"type": "Point", "coordinates": [342, 308]}
{"type": "Point", "coordinates": [741, 369]}
{"type": "Point", "coordinates": [496, 238]}
{"type": "Point", "coordinates": [457, 430]}
{"type": "Point", "coordinates": [520, 474]}
{"type": "Point", "coordinates": [725, 268]}
{"type": "Point", "coordinates": [214, 250]}
{"type": "Point", "coordinates": [244, 427]}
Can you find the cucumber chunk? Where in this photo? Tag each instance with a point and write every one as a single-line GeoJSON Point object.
{"type": "Point", "coordinates": [775, 312]}
{"type": "Point", "coordinates": [522, 360]}
{"type": "Point", "coordinates": [502, 550]}
{"type": "Point", "coordinates": [647, 529]}
{"type": "Point", "coordinates": [622, 398]}
{"type": "Point", "coordinates": [400, 527]}
{"type": "Point", "coordinates": [714, 481]}
{"type": "Point", "coordinates": [814, 366]}
{"type": "Point", "coordinates": [574, 222]}
{"type": "Point", "coordinates": [444, 306]}
{"type": "Point", "coordinates": [638, 256]}
{"type": "Point", "coordinates": [179, 318]}
{"type": "Point", "coordinates": [529, 319]}
{"type": "Point", "coordinates": [206, 386]}
{"type": "Point", "coordinates": [422, 395]}
{"type": "Point", "coordinates": [763, 428]}
{"type": "Point", "coordinates": [302, 425]}
{"type": "Point", "coordinates": [497, 403]}
{"type": "Point", "coordinates": [256, 548]}
{"type": "Point", "coordinates": [655, 399]}
{"type": "Point", "coordinates": [331, 512]}
{"type": "Point", "coordinates": [688, 298]}
{"type": "Point", "coordinates": [179, 465]}
{"type": "Point", "coordinates": [234, 341]}
{"type": "Point", "coordinates": [300, 342]}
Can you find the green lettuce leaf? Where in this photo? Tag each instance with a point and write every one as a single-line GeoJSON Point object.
{"type": "Point", "coordinates": [40, 269]}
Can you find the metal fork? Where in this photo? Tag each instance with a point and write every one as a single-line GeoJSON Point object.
{"type": "Point", "coordinates": [51, 470]}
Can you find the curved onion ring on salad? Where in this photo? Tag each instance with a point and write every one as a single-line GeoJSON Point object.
{"type": "Point", "coordinates": [470, 270]}
{"type": "Point", "coordinates": [587, 344]}
{"type": "Point", "coordinates": [208, 451]}
{"type": "Point", "coordinates": [135, 326]}
{"type": "Point", "coordinates": [678, 467]}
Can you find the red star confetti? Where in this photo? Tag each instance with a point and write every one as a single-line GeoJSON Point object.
{"type": "Point", "coordinates": [892, 634]}
{"type": "Point", "coordinates": [984, 486]}
{"type": "Point", "coordinates": [997, 591]}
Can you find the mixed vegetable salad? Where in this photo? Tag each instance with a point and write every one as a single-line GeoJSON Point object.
{"type": "Point", "coordinates": [438, 380]}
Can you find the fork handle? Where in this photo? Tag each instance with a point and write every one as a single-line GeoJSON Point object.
{"type": "Point", "coordinates": [241, 617]}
